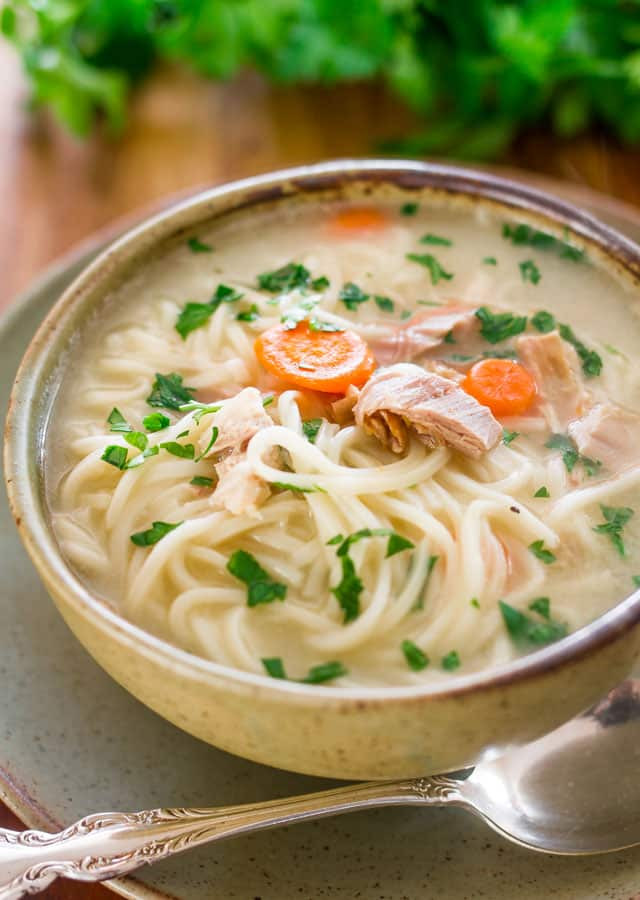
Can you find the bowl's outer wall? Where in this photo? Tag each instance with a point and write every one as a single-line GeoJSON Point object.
{"type": "Point", "coordinates": [315, 731]}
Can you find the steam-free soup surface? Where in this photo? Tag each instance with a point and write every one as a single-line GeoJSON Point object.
{"type": "Point", "coordinates": [367, 444]}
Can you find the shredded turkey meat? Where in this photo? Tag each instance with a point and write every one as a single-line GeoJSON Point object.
{"type": "Point", "coordinates": [610, 434]}
{"type": "Point", "coordinates": [405, 399]}
{"type": "Point", "coordinates": [239, 489]}
{"type": "Point", "coordinates": [556, 368]}
{"type": "Point", "coordinates": [424, 332]}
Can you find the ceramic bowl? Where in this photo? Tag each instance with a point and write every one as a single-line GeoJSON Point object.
{"type": "Point", "coordinates": [317, 730]}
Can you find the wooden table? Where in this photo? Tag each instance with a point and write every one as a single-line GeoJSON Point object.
{"type": "Point", "coordinates": [185, 133]}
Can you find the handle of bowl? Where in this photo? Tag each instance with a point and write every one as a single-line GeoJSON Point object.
{"type": "Point", "coordinates": [106, 845]}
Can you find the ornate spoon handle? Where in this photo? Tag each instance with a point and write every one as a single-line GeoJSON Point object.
{"type": "Point", "coordinates": [105, 845]}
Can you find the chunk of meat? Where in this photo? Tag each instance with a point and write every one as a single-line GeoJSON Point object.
{"type": "Point", "coordinates": [424, 332]}
{"type": "Point", "coordinates": [610, 434]}
{"type": "Point", "coordinates": [239, 490]}
{"type": "Point", "coordinates": [342, 409]}
{"type": "Point", "coordinates": [405, 398]}
{"type": "Point", "coordinates": [556, 368]}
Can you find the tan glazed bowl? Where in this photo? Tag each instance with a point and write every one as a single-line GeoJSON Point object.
{"type": "Point", "coordinates": [318, 730]}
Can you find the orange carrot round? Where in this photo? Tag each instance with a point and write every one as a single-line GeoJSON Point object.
{"type": "Point", "coordinates": [326, 361]}
{"type": "Point", "coordinates": [359, 218]}
{"type": "Point", "coordinates": [503, 385]}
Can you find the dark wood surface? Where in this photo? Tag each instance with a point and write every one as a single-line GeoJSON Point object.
{"type": "Point", "coordinates": [185, 133]}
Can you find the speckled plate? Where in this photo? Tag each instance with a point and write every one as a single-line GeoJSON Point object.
{"type": "Point", "coordinates": [73, 742]}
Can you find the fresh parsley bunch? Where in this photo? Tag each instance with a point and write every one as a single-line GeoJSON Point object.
{"type": "Point", "coordinates": [477, 72]}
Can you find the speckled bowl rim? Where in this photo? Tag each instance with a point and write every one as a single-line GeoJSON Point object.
{"type": "Point", "coordinates": [24, 488]}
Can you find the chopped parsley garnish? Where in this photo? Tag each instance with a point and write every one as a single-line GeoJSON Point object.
{"type": "Point", "coordinates": [419, 604]}
{"type": "Point", "coordinates": [261, 588]}
{"type": "Point", "coordinates": [526, 235]}
{"type": "Point", "coordinates": [539, 550]}
{"type": "Point", "coordinates": [320, 284]}
{"type": "Point", "coordinates": [435, 239]}
{"type": "Point", "coordinates": [288, 278]}
{"type": "Point", "coordinates": [591, 361]}
{"type": "Point", "coordinates": [436, 271]}
{"type": "Point", "coordinates": [395, 544]}
{"type": "Point", "coordinates": [490, 261]}
{"type": "Point", "coordinates": [152, 535]}
{"type": "Point", "coordinates": [475, 603]}
{"type": "Point", "coordinates": [198, 246]}
{"type": "Point", "coordinates": [449, 338]}
{"type": "Point", "coordinates": [406, 314]}
{"type": "Point", "coordinates": [199, 409]}
{"type": "Point", "coordinates": [542, 492]}
{"type": "Point", "coordinates": [324, 672]}
{"type": "Point", "coordinates": [212, 440]}
{"type": "Point", "coordinates": [352, 296]}
{"type": "Point", "coordinates": [195, 315]}
{"type": "Point", "coordinates": [248, 315]}
{"type": "Point", "coordinates": [616, 517]}
{"type": "Point", "coordinates": [347, 591]}
{"type": "Point", "coordinates": [529, 271]}
{"type": "Point", "coordinates": [156, 422]}
{"type": "Point", "coordinates": [386, 304]}
{"type": "Point", "coordinates": [496, 327]}
{"type": "Point", "coordinates": [319, 325]}
{"type": "Point", "coordinates": [267, 401]}
{"type": "Point", "coordinates": [523, 629]}
{"type": "Point", "coordinates": [570, 455]}
{"type": "Point", "coordinates": [636, 580]}
{"type": "Point", "coordinates": [185, 451]}
{"type": "Point", "coordinates": [274, 666]}
{"type": "Point", "coordinates": [541, 605]}
{"type": "Point", "coordinates": [137, 439]}
{"type": "Point", "coordinates": [416, 659]}
{"type": "Point", "coordinates": [310, 429]}
{"type": "Point", "coordinates": [117, 422]}
{"type": "Point", "coordinates": [168, 392]}
{"type": "Point", "coordinates": [451, 661]}
{"type": "Point", "coordinates": [141, 457]}
{"type": "Point", "coordinates": [284, 486]}
{"type": "Point", "coordinates": [509, 436]}
{"type": "Point", "coordinates": [543, 321]}
{"type": "Point", "coordinates": [201, 481]}
{"type": "Point", "coordinates": [409, 209]}
{"type": "Point", "coordinates": [115, 456]}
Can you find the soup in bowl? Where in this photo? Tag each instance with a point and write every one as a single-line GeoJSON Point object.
{"type": "Point", "coordinates": [338, 468]}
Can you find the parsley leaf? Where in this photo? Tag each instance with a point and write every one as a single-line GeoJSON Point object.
{"type": "Point", "coordinates": [636, 580]}
{"type": "Point", "coordinates": [212, 440]}
{"type": "Point", "coordinates": [542, 492]}
{"type": "Point", "coordinates": [386, 304]}
{"type": "Point", "coordinates": [310, 429]}
{"type": "Point", "coordinates": [320, 284]}
{"type": "Point", "coordinates": [529, 271]}
{"type": "Point", "coordinates": [523, 629]}
{"type": "Point", "coordinates": [286, 279]}
{"type": "Point", "coordinates": [118, 422]}
{"type": "Point", "coordinates": [539, 550]}
{"type": "Point", "coordinates": [436, 271]}
{"type": "Point", "coordinates": [156, 422]}
{"type": "Point", "coordinates": [137, 439]}
{"type": "Point", "coordinates": [167, 391]}
{"type": "Point", "coordinates": [115, 456]}
{"type": "Point", "coordinates": [201, 481]}
{"type": "Point", "coordinates": [141, 457]}
{"type": "Point", "coordinates": [591, 361]}
{"type": "Point", "coordinates": [352, 296]}
{"type": "Point", "coordinates": [541, 605]}
{"type": "Point", "coordinates": [395, 544]}
{"type": "Point", "coordinates": [152, 535]}
{"type": "Point", "coordinates": [261, 588]}
{"type": "Point", "coordinates": [409, 209]}
{"type": "Point", "coordinates": [248, 315]}
{"type": "Point", "coordinates": [419, 604]}
{"type": "Point", "coordinates": [195, 315]}
{"type": "Point", "coordinates": [570, 455]}
{"type": "Point", "coordinates": [543, 321]}
{"type": "Point", "coordinates": [416, 659]}
{"type": "Point", "coordinates": [509, 436]}
{"type": "Point", "coordinates": [435, 239]}
{"type": "Point", "coordinates": [185, 451]}
{"type": "Point", "coordinates": [319, 325]}
{"type": "Point", "coordinates": [274, 666]}
{"type": "Point", "coordinates": [451, 661]}
{"type": "Point", "coordinates": [348, 590]}
{"type": "Point", "coordinates": [490, 261]}
{"type": "Point", "coordinates": [475, 603]}
{"type": "Point", "coordinates": [284, 486]}
{"type": "Point", "coordinates": [324, 672]}
{"type": "Point", "coordinates": [616, 517]}
{"type": "Point", "coordinates": [496, 327]}
{"type": "Point", "coordinates": [526, 235]}
{"type": "Point", "coordinates": [198, 246]}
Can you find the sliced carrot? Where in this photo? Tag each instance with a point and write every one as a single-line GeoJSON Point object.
{"type": "Point", "coordinates": [327, 361]}
{"type": "Point", "coordinates": [359, 218]}
{"type": "Point", "coordinates": [503, 385]}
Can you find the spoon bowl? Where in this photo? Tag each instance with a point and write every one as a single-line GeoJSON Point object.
{"type": "Point", "coordinates": [561, 794]}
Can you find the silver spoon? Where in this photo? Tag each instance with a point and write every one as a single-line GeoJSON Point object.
{"type": "Point", "coordinates": [574, 791]}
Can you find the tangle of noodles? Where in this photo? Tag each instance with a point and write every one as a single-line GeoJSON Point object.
{"type": "Point", "coordinates": [471, 523]}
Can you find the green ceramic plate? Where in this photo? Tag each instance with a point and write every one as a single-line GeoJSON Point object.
{"type": "Point", "coordinates": [74, 742]}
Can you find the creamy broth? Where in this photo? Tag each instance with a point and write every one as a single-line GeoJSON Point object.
{"type": "Point", "coordinates": [463, 535]}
